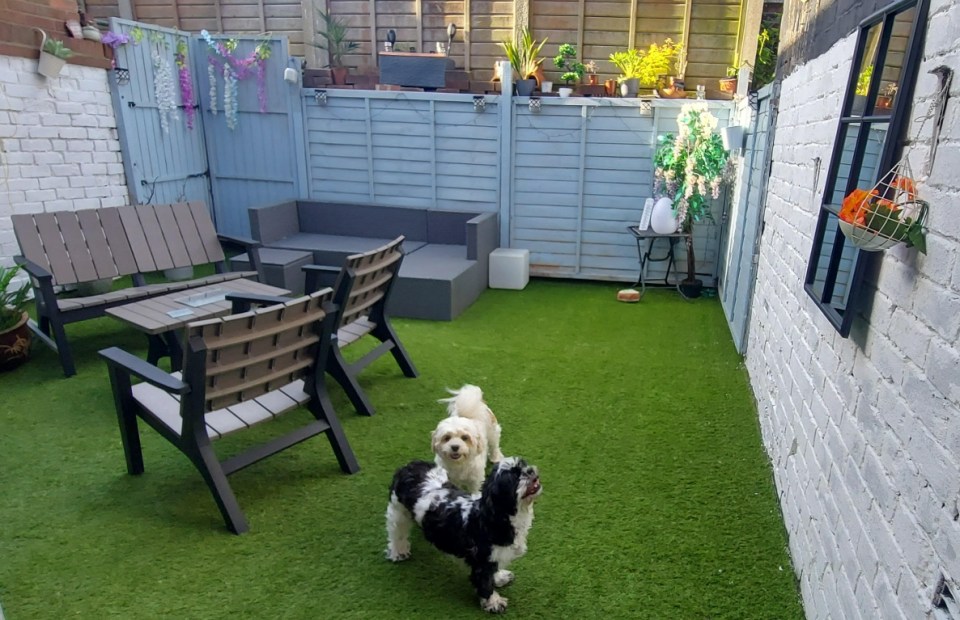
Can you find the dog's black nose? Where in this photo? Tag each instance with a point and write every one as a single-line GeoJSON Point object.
{"type": "Point", "coordinates": [454, 448]}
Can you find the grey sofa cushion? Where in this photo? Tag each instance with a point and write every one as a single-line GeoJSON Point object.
{"type": "Point", "coordinates": [334, 249]}
{"type": "Point", "coordinates": [449, 227]}
{"type": "Point", "coordinates": [436, 262]}
{"type": "Point", "coordinates": [363, 221]}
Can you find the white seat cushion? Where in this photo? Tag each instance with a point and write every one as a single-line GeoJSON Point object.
{"type": "Point", "coordinates": [222, 422]}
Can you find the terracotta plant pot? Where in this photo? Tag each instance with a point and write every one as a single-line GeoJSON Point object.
{"type": "Point", "coordinates": [728, 85]}
{"type": "Point", "coordinates": [339, 75]}
{"type": "Point", "coordinates": [15, 344]}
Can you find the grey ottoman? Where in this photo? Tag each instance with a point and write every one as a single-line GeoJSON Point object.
{"type": "Point", "coordinates": [281, 268]}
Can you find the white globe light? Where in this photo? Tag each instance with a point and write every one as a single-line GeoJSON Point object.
{"type": "Point", "coordinates": [662, 220]}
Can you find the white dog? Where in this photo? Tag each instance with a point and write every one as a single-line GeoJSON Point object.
{"type": "Point", "coordinates": [465, 439]}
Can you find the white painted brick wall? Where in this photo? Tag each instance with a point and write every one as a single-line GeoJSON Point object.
{"type": "Point", "coordinates": [58, 144]}
{"type": "Point", "coordinates": [863, 433]}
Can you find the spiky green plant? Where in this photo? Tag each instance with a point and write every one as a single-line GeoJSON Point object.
{"type": "Point", "coordinates": [523, 54]}
{"type": "Point", "coordinates": [335, 39]}
{"type": "Point", "coordinates": [13, 300]}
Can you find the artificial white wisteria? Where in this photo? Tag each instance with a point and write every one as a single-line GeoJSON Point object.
{"type": "Point", "coordinates": [163, 85]}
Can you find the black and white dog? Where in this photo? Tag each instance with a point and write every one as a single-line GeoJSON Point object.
{"type": "Point", "coordinates": [487, 530]}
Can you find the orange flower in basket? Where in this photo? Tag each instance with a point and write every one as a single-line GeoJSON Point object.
{"type": "Point", "coordinates": [851, 211]}
{"type": "Point", "coordinates": [906, 185]}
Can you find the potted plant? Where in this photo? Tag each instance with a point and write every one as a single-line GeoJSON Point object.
{"type": "Point", "coordinates": [566, 61]}
{"type": "Point", "coordinates": [729, 84]}
{"type": "Point", "coordinates": [887, 215]}
{"type": "Point", "coordinates": [885, 98]}
{"type": "Point", "coordinates": [645, 68]}
{"type": "Point", "coordinates": [336, 44]}
{"type": "Point", "coordinates": [15, 335]}
{"type": "Point", "coordinates": [629, 63]}
{"type": "Point", "coordinates": [523, 55]}
{"type": "Point", "coordinates": [53, 56]}
{"type": "Point", "coordinates": [689, 169]}
{"type": "Point", "coordinates": [591, 71]}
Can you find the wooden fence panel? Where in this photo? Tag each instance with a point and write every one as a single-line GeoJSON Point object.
{"type": "Point", "coordinates": [162, 165]}
{"type": "Point", "coordinates": [598, 27]}
{"type": "Point", "coordinates": [403, 149]}
{"type": "Point", "coordinates": [277, 17]}
{"type": "Point", "coordinates": [581, 173]}
{"type": "Point", "coordinates": [260, 159]}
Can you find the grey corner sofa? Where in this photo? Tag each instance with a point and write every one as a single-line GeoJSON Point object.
{"type": "Point", "coordinates": [446, 253]}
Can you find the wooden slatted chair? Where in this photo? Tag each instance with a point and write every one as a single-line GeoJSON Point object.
{"type": "Point", "coordinates": [362, 294]}
{"type": "Point", "coordinates": [239, 371]}
{"type": "Point", "coordinates": [75, 247]}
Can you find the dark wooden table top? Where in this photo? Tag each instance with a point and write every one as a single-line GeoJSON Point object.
{"type": "Point", "coordinates": [153, 315]}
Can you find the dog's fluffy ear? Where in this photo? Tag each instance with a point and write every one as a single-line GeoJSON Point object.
{"type": "Point", "coordinates": [435, 439]}
{"type": "Point", "coordinates": [500, 490]}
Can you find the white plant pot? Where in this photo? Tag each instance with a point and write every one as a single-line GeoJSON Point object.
{"type": "Point", "coordinates": [50, 66]}
{"type": "Point", "coordinates": [732, 137]}
{"type": "Point", "coordinates": [546, 86]}
{"type": "Point", "coordinates": [662, 219]}
{"type": "Point", "coordinates": [564, 91]}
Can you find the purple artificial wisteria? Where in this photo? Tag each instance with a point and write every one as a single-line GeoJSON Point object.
{"type": "Point", "coordinates": [235, 69]}
{"type": "Point", "coordinates": [186, 83]}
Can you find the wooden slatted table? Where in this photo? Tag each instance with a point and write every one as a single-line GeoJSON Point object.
{"type": "Point", "coordinates": [160, 317]}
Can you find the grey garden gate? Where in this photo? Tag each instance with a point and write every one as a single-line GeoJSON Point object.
{"type": "Point", "coordinates": [193, 154]}
{"type": "Point", "coordinates": [741, 243]}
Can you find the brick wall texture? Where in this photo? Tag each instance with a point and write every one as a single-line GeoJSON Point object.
{"type": "Point", "coordinates": [58, 144]}
{"type": "Point", "coordinates": [20, 19]}
{"type": "Point", "coordinates": [863, 433]}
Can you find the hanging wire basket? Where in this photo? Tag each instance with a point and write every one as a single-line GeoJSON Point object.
{"type": "Point", "coordinates": [123, 75]}
{"type": "Point", "coordinates": [886, 215]}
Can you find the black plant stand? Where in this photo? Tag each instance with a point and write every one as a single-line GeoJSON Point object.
{"type": "Point", "coordinates": [645, 253]}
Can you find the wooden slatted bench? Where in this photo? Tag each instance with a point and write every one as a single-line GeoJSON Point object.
{"type": "Point", "coordinates": [76, 247]}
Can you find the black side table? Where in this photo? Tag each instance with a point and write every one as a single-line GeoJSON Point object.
{"type": "Point", "coordinates": [645, 254]}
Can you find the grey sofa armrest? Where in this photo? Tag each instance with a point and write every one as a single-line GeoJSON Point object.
{"type": "Point", "coordinates": [483, 236]}
{"type": "Point", "coordinates": [274, 222]}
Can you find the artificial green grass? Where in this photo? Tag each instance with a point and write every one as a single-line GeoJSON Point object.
{"type": "Point", "coordinates": [658, 499]}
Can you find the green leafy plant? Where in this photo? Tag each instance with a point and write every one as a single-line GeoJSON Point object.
{"type": "Point", "coordinates": [863, 80]}
{"type": "Point", "coordinates": [647, 65]}
{"type": "Point", "coordinates": [57, 48]}
{"type": "Point", "coordinates": [335, 39]}
{"type": "Point", "coordinates": [13, 300]}
{"type": "Point", "coordinates": [689, 168]}
{"type": "Point", "coordinates": [566, 61]}
{"type": "Point", "coordinates": [765, 66]}
{"type": "Point", "coordinates": [523, 55]}
{"type": "Point", "coordinates": [628, 63]}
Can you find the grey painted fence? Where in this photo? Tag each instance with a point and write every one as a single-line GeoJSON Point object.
{"type": "Point", "coordinates": [570, 179]}
{"type": "Point", "coordinates": [738, 266]}
{"type": "Point", "coordinates": [257, 162]}
{"type": "Point", "coordinates": [566, 180]}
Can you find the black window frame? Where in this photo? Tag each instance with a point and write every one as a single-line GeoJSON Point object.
{"type": "Point", "coordinates": [896, 123]}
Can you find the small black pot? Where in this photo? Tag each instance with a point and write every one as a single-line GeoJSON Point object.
{"type": "Point", "coordinates": [691, 289]}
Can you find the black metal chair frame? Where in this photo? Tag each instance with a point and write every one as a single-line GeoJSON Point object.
{"type": "Point", "coordinates": [193, 439]}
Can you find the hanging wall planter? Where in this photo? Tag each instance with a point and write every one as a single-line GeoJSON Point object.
{"type": "Point", "coordinates": [53, 56]}
{"type": "Point", "coordinates": [887, 215]}
{"type": "Point", "coordinates": [732, 137]}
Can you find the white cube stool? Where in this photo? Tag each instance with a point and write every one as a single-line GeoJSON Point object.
{"type": "Point", "coordinates": [509, 268]}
